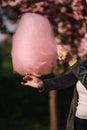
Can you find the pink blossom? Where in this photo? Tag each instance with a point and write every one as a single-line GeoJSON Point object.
{"type": "Point", "coordinates": [60, 28]}
{"type": "Point", "coordinates": [11, 3]}
{"type": "Point", "coordinates": [58, 40]}
{"type": "Point", "coordinates": [82, 30]}
{"type": "Point", "coordinates": [82, 49]}
{"type": "Point", "coordinates": [63, 9]}
{"type": "Point", "coordinates": [62, 1]}
{"type": "Point", "coordinates": [14, 3]}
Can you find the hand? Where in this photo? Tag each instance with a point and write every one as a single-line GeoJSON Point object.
{"type": "Point", "coordinates": [33, 81]}
{"type": "Point", "coordinates": [63, 54]}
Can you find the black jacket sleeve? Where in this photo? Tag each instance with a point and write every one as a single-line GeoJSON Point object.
{"type": "Point", "coordinates": [80, 71]}
{"type": "Point", "coordinates": [60, 82]}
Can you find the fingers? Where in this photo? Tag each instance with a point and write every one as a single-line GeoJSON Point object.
{"type": "Point", "coordinates": [25, 83]}
{"type": "Point", "coordinates": [60, 56]}
{"type": "Point", "coordinates": [30, 80]}
{"type": "Point", "coordinates": [27, 78]}
{"type": "Point", "coordinates": [22, 83]}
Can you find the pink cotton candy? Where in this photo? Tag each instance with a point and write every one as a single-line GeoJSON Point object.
{"type": "Point", "coordinates": [34, 46]}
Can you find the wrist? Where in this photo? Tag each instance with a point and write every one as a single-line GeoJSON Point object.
{"type": "Point", "coordinates": [41, 87]}
{"type": "Point", "coordinates": [40, 84]}
{"type": "Point", "coordinates": [72, 61]}
{"type": "Point", "coordinates": [68, 57]}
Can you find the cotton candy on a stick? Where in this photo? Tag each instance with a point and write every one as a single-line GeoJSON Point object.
{"type": "Point", "coordinates": [34, 46]}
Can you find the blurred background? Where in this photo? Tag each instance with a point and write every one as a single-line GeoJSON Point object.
{"type": "Point", "coordinates": [25, 108]}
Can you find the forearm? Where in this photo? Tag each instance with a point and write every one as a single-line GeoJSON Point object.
{"type": "Point", "coordinates": [60, 82]}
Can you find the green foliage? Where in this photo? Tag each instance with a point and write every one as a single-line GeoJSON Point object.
{"type": "Point", "coordinates": [5, 59]}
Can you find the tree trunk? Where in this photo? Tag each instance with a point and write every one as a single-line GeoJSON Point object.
{"type": "Point", "coordinates": [53, 112]}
